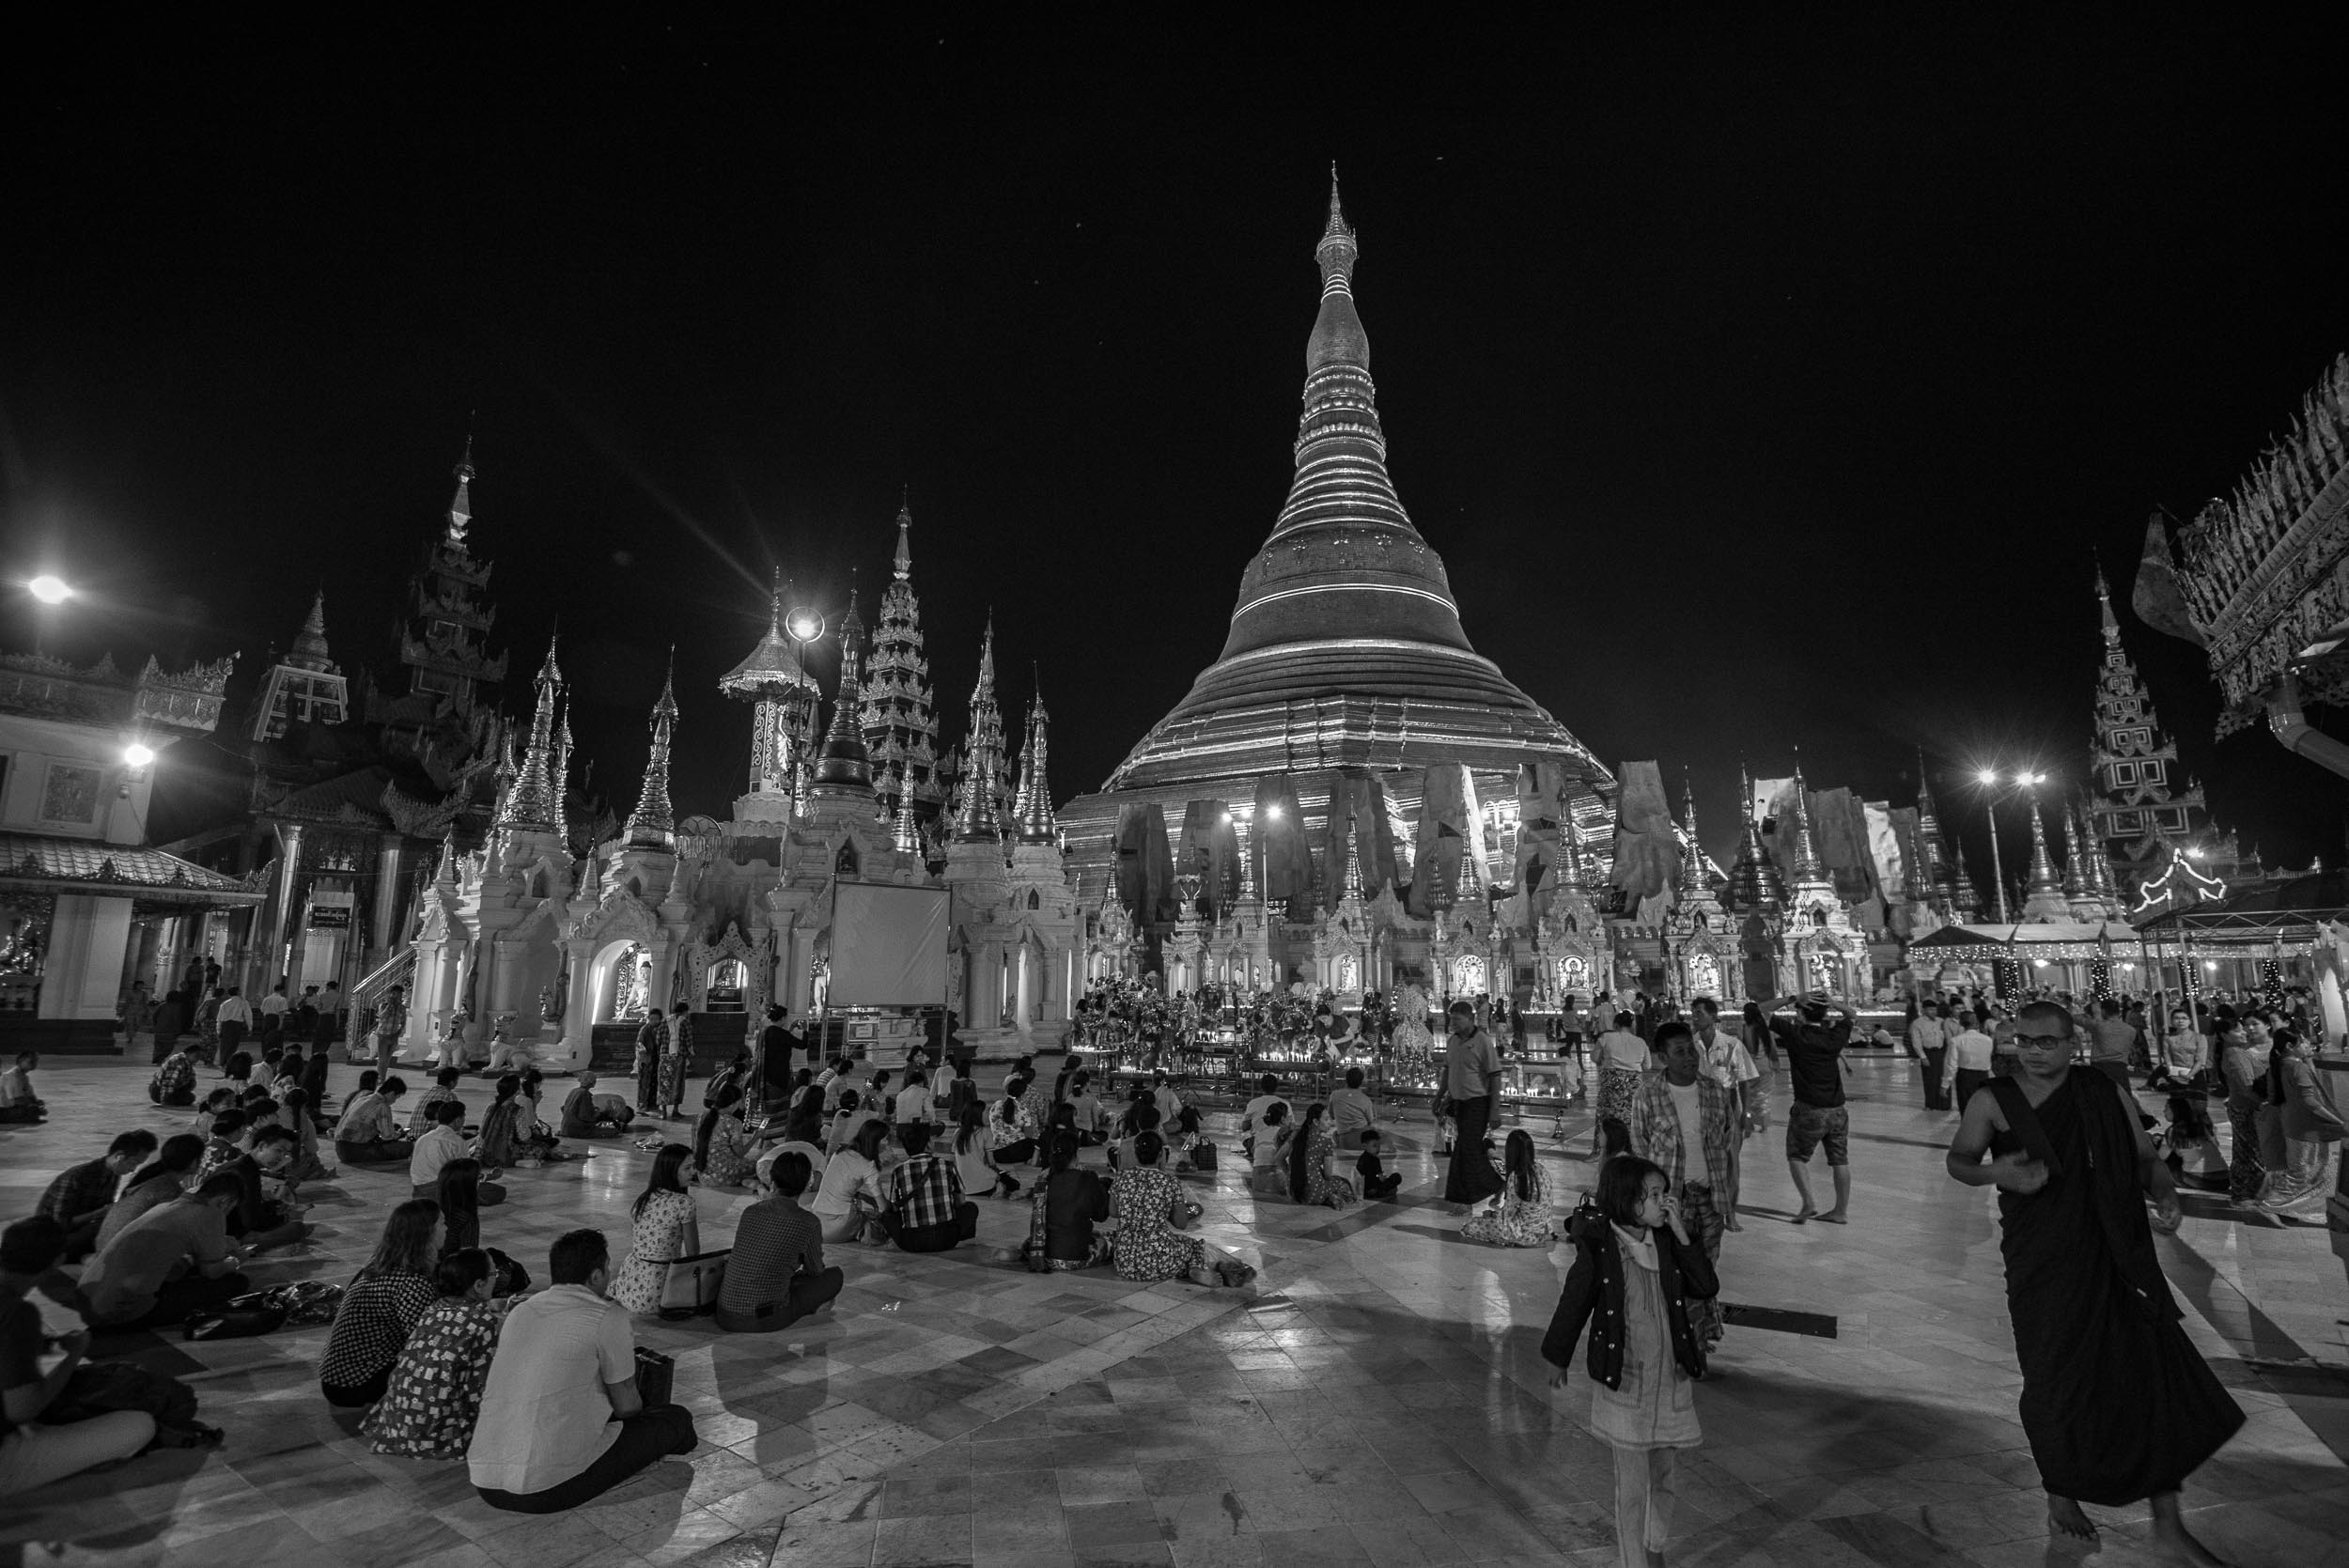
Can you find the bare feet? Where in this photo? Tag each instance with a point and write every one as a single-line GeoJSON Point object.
{"type": "Point", "coordinates": [1834, 1217]}
{"type": "Point", "coordinates": [1805, 1216]}
{"type": "Point", "coordinates": [2065, 1518]}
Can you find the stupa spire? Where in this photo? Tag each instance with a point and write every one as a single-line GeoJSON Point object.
{"type": "Point", "coordinates": [845, 769]}
{"type": "Point", "coordinates": [1755, 882]}
{"type": "Point", "coordinates": [461, 504]}
{"type": "Point", "coordinates": [1807, 866]}
{"type": "Point", "coordinates": [653, 824]}
{"type": "Point", "coordinates": [530, 802]}
{"type": "Point", "coordinates": [900, 715]}
{"type": "Point", "coordinates": [985, 761]}
{"type": "Point", "coordinates": [901, 564]}
{"type": "Point", "coordinates": [2044, 882]}
{"type": "Point", "coordinates": [1037, 823]}
{"type": "Point", "coordinates": [1692, 882]}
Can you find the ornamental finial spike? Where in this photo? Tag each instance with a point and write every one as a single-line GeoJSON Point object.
{"type": "Point", "coordinates": [902, 563]}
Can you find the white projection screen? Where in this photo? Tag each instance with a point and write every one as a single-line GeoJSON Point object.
{"type": "Point", "coordinates": [888, 946]}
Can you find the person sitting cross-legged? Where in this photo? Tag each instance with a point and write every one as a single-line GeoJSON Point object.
{"type": "Point", "coordinates": [33, 1455]}
{"type": "Point", "coordinates": [776, 1274]}
{"type": "Point", "coordinates": [926, 1211]}
{"type": "Point", "coordinates": [170, 1263]}
{"type": "Point", "coordinates": [588, 1114]}
{"type": "Point", "coordinates": [80, 1197]}
{"type": "Point", "coordinates": [367, 1135]}
{"type": "Point", "coordinates": [561, 1420]}
{"type": "Point", "coordinates": [434, 1394]}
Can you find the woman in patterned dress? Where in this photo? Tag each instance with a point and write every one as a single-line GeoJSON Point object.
{"type": "Point", "coordinates": [1620, 1054]}
{"type": "Point", "coordinates": [1310, 1151]}
{"type": "Point", "coordinates": [666, 1228]}
{"type": "Point", "coordinates": [1521, 1217]}
{"type": "Point", "coordinates": [428, 1409]}
{"type": "Point", "coordinates": [676, 1052]}
{"type": "Point", "coordinates": [1150, 1244]}
{"type": "Point", "coordinates": [734, 1149]}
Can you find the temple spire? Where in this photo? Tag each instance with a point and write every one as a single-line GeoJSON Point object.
{"type": "Point", "coordinates": [461, 504]}
{"type": "Point", "coordinates": [529, 804]}
{"type": "Point", "coordinates": [2104, 604]}
{"type": "Point", "coordinates": [1037, 823]}
{"type": "Point", "coordinates": [1692, 880]}
{"type": "Point", "coordinates": [901, 564]}
{"type": "Point", "coordinates": [845, 769]}
{"type": "Point", "coordinates": [1755, 882]}
{"type": "Point", "coordinates": [1807, 867]}
{"type": "Point", "coordinates": [653, 824]}
{"type": "Point", "coordinates": [983, 759]}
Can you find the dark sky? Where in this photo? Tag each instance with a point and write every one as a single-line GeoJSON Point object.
{"type": "Point", "coordinates": [1762, 382]}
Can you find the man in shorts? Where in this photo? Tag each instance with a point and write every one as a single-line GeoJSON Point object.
{"type": "Point", "coordinates": [1815, 1063]}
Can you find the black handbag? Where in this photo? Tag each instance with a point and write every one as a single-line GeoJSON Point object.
{"type": "Point", "coordinates": [656, 1374]}
{"type": "Point", "coordinates": [235, 1323]}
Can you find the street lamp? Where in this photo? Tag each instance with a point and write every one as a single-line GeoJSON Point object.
{"type": "Point", "coordinates": [49, 589]}
{"type": "Point", "coordinates": [1989, 780]}
{"type": "Point", "coordinates": [803, 626]}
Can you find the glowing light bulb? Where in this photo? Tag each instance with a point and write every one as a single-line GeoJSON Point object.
{"type": "Point", "coordinates": [1988, 776]}
{"type": "Point", "coordinates": [50, 590]}
{"type": "Point", "coordinates": [138, 755]}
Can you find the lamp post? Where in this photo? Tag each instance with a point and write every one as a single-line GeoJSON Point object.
{"type": "Point", "coordinates": [803, 626]}
{"type": "Point", "coordinates": [1989, 780]}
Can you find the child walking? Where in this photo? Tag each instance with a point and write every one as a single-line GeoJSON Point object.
{"type": "Point", "coordinates": [1635, 1267]}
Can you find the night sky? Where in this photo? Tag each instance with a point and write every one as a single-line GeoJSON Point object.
{"type": "Point", "coordinates": [1761, 381]}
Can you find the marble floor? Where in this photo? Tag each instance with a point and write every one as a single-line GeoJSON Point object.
{"type": "Point", "coordinates": [1374, 1398]}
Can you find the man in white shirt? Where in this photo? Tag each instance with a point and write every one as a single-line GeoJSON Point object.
{"type": "Point", "coordinates": [275, 1003]}
{"type": "Point", "coordinates": [561, 1420]}
{"type": "Point", "coordinates": [1729, 1063]}
{"type": "Point", "coordinates": [1929, 1043]}
{"type": "Point", "coordinates": [1968, 1064]}
{"type": "Point", "coordinates": [235, 1020]}
{"type": "Point", "coordinates": [435, 1148]}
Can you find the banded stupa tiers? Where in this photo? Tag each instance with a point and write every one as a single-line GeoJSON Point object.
{"type": "Point", "coordinates": [898, 715]}
{"type": "Point", "coordinates": [1346, 645]}
{"type": "Point", "coordinates": [441, 637]}
{"type": "Point", "coordinates": [1347, 706]}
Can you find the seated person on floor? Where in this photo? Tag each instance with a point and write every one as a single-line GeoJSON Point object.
{"type": "Point", "coordinates": [381, 1305]}
{"type": "Point", "coordinates": [158, 1182]}
{"type": "Point", "coordinates": [18, 1103]}
{"type": "Point", "coordinates": [850, 1198]}
{"type": "Point", "coordinates": [1378, 1186]}
{"type": "Point", "coordinates": [561, 1420]}
{"type": "Point", "coordinates": [444, 1082]}
{"type": "Point", "coordinates": [849, 1120]}
{"type": "Point", "coordinates": [1351, 1112]}
{"type": "Point", "coordinates": [434, 1394]}
{"type": "Point", "coordinates": [1087, 1111]}
{"type": "Point", "coordinates": [169, 1264]}
{"type": "Point", "coordinates": [588, 1114]}
{"type": "Point", "coordinates": [81, 1195]}
{"type": "Point", "coordinates": [262, 1219]}
{"type": "Point", "coordinates": [1251, 1116]}
{"type": "Point", "coordinates": [175, 1078]}
{"type": "Point", "coordinates": [32, 1453]}
{"type": "Point", "coordinates": [775, 1274]}
{"type": "Point", "coordinates": [926, 1211]}
{"type": "Point", "coordinates": [1268, 1149]}
{"type": "Point", "coordinates": [367, 1135]}
{"type": "Point", "coordinates": [1142, 1117]}
{"type": "Point", "coordinates": [975, 1157]}
{"type": "Point", "coordinates": [1068, 1203]}
{"type": "Point", "coordinates": [437, 1147]}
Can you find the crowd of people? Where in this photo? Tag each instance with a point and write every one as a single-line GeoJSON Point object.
{"type": "Point", "coordinates": [440, 1347]}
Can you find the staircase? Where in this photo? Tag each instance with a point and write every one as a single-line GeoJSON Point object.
{"type": "Point", "coordinates": [367, 996]}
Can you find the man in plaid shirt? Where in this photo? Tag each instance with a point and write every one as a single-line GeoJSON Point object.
{"type": "Point", "coordinates": [927, 1212]}
{"type": "Point", "coordinates": [1680, 1119]}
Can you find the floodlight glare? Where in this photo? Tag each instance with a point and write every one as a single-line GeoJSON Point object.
{"type": "Point", "coordinates": [50, 590]}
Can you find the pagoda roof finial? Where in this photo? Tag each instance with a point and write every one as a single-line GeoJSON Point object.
{"type": "Point", "coordinates": [901, 564]}
{"type": "Point", "coordinates": [461, 504]}
{"type": "Point", "coordinates": [653, 824]}
{"type": "Point", "coordinates": [1807, 866]}
{"type": "Point", "coordinates": [1338, 249]}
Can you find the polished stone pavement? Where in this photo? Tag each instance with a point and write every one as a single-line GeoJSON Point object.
{"type": "Point", "coordinates": [1374, 1398]}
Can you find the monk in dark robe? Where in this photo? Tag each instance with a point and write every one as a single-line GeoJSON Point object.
{"type": "Point", "coordinates": [2116, 1402]}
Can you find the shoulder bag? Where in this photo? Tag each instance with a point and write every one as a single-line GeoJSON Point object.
{"type": "Point", "coordinates": [689, 1286]}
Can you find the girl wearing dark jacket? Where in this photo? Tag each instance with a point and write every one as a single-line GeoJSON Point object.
{"type": "Point", "coordinates": [1635, 1272]}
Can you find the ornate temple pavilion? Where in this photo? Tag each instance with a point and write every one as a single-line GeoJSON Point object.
{"type": "Point", "coordinates": [1348, 722]}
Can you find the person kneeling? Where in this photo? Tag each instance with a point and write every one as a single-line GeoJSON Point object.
{"type": "Point", "coordinates": [926, 1211]}
{"type": "Point", "coordinates": [588, 1114]}
{"type": "Point", "coordinates": [561, 1420]}
{"type": "Point", "coordinates": [776, 1274]}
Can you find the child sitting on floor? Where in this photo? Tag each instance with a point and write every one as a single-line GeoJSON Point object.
{"type": "Point", "coordinates": [1377, 1187]}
